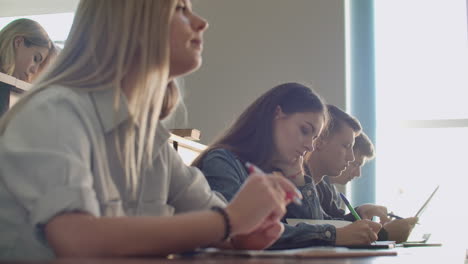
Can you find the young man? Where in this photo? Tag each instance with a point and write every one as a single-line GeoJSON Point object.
{"type": "Point", "coordinates": [339, 154]}
{"type": "Point", "coordinates": [331, 203]}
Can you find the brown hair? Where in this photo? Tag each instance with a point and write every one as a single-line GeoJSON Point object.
{"type": "Point", "coordinates": [364, 146]}
{"type": "Point", "coordinates": [250, 137]}
{"type": "Point", "coordinates": [337, 118]}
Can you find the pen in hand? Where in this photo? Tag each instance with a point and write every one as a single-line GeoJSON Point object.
{"type": "Point", "coordinates": [351, 209]}
{"type": "Point", "coordinates": [394, 216]}
{"type": "Point", "coordinates": [252, 168]}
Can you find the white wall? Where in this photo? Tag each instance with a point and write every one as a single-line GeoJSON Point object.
{"type": "Point", "coordinates": [250, 46]}
{"type": "Point", "coordinates": [253, 45]}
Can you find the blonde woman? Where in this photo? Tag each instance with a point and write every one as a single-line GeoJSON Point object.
{"type": "Point", "coordinates": [25, 49]}
{"type": "Point", "coordinates": [86, 168]}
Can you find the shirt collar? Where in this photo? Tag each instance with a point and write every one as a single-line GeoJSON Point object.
{"type": "Point", "coordinates": [104, 103]}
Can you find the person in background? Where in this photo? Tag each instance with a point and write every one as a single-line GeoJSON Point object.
{"type": "Point", "coordinates": [25, 49]}
{"type": "Point", "coordinates": [364, 152]}
{"type": "Point", "coordinates": [274, 132]}
{"type": "Point", "coordinates": [329, 197]}
{"type": "Point", "coordinates": [333, 154]}
{"type": "Point", "coordinates": [397, 230]}
{"type": "Point", "coordinates": [86, 167]}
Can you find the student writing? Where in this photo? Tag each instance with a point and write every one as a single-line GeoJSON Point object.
{"type": "Point", "coordinates": [363, 149]}
{"type": "Point", "coordinates": [274, 132]}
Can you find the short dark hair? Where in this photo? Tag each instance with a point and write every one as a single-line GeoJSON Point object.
{"type": "Point", "coordinates": [337, 118]}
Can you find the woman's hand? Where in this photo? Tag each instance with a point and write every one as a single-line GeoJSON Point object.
{"type": "Point", "coordinates": [367, 211]}
{"type": "Point", "coordinates": [362, 232]}
{"type": "Point", "coordinates": [399, 230]}
{"type": "Point", "coordinates": [260, 203]}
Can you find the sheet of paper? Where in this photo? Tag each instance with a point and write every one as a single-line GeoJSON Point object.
{"type": "Point", "coordinates": [336, 223]}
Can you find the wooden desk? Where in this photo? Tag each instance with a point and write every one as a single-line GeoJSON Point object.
{"type": "Point", "coordinates": [436, 255]}
{"type": "Point", "coordinates": [10, 89]}
{"type": "Point", "coordinates": [187, 149]}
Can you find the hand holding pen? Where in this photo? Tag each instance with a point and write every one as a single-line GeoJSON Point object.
{"type": "Point", "coordinates": [260, 203]}
{"type": "Point", "coordinates": [391, 214]}
{"type": "Point", "coordinates": [367, 211]}
{"type": "Point", "coordinates": [359, 232]}
{"type": "Point", "coordinates": [351, 209]}
{"type": "Point", "coordinates": [295, 196]}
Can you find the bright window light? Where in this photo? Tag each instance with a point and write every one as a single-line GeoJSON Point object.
{"type": "Point", "coordinates": [422, 81]}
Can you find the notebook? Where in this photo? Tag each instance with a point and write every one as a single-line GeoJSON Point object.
{"type": "Point", "coordinates": [310, 252]}
{"type": "Point", "coordinates": [342, 223]}
{"type": "Point", "coordinates": [412, 242]}
{"type": "Point", "coordinates": [375, 245]}
{"type": "Point", "coordinates": [336, 223]}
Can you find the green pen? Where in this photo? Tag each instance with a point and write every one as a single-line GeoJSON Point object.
{"type": "Point", "coordinates": [351, 209]}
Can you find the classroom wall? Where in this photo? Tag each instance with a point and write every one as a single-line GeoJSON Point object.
{"type": "Point", "coordinates": [251, 46]}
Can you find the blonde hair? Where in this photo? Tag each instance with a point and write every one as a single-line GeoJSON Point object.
{"type": "Point", "coordinates": [108, 39]}
{"type": "Point", "coordinates": [33, 34]}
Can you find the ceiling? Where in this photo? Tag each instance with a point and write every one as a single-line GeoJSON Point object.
{"type": "Point", "coordinates": [10, 8]}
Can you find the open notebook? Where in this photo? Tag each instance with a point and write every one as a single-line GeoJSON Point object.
{"type": "Point", "coordinates": [342, 223]}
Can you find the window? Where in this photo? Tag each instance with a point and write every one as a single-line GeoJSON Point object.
{"type": "Point", "coordinates": [422, 112]}
{"type": "Point", "coordinates": [56, 25]}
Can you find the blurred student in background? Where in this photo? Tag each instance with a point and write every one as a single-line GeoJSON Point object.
{"type": "Point", "coordinates": [25, 49]}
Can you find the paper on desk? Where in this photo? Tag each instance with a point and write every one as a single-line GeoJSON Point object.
{"type": "Point", "coordinates": [310, 252]}
{"type": "Point", "coordinates": [336, 223]}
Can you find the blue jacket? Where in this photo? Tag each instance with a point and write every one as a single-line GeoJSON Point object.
{"type": "Point", "coordinates": [331, 205]}
{"type": "Point", "coordinates": [226, 173]}
{"type": "Point", "coordinates": [330, 200]}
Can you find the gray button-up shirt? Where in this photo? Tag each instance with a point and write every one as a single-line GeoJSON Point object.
{"type": "Point", "coordinates": [58, 155]}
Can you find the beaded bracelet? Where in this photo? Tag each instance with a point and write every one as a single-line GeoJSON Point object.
{"type": "Point", "coordinates": [227, 221]}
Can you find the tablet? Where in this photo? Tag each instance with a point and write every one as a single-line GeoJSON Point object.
{"type": "Point", "coordinates": [423, 207]}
